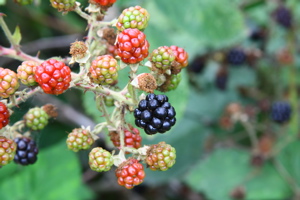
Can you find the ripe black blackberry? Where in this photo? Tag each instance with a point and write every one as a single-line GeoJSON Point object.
{"type": "Point", "coordinates": [155, 114]}
{"type": "Point", "coordinates": [26, 152]}
{"type": "Point", "coordinates": [283, 17]}
{"type": "Point", "coordinates": [198, 64]}
{"type": "Point", "coordinates": [236, 56]}
{"type": "Point", "coordinates": [281, 111]}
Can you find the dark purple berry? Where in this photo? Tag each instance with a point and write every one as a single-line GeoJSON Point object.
{"type": "Point", "coordinates": [156, 123]}
{"type": "Point", "coordinates": [171, 112]}
{"type": "Point", "coordinates": [236, 57]}
{"type": "Point", "coordinates": [161, 98]}
{"type": "Point", "coordinates": [281, 111]}
{"type": "Point", "coordinates": [137, 113]}
{"type": "Point", "coordinates": [166, 105]}
{"type": "Point", "coordinates": [150, 96]}
{"type": "Point", "coordinates": [283, 17]}
{"type": "Point", "coordinates": [150, 129]}
{"type": "Point", "coordinates": [143, 105]}
{"type": "Point", "coordinates": [146, 116]}
{"type": "Point", "coordinates": [173, 121]}
{"type": "Point", "coordinates": [160, 113]}
{"type": "Point", "coordinates": [26, 152]}
{"type": "Point", "coordinates": [152, 104]}
{"type": "Point", "coordinates": [166, 125]}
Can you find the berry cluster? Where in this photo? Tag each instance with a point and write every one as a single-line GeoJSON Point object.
{"type": "Point", "coordinates": [100, 160]}
{"type": "Point", "coordinates": [36, 118]}
{"type": "Point", "coordinates": [281, 111]}
{"type": "Point", "coordinates": [236, 57]}
{"type": "Point", "coordinates": [79, 139]}
{"type": "Point", "coordinates": [9, 82]}
{"type": "Point", "coordinates": [26, 73]}
{"type": "Point", "coordinates": [26, 152]}
{"type": "Point", "coordinates": [155, 114]}
{"type": "Point", "coordinates": [4, 115]}
{"type": "Point", "coordinates": [7, 150]}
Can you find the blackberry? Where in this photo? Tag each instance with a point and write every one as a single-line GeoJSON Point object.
{"type": "Point", "coordinates": [26, 152]}
{"type": "Point", "coordinates": [283, 17]}
{"type": "Point", "coordinates": [221, 81]}
{"type": "Point", "coordinates": [155, 114]}
{"type": "Point", "coordinates": [198, 64]}
{"type": "Point", "coordinates": [236, 56]}
{"type": "Point", "coordinates": [281, 111]}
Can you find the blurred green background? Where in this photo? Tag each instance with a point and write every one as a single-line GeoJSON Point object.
{"type": "Point", "coordinates": [215, 157]}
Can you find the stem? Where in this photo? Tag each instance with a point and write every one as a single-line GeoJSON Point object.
{"type": "Point", "coordinates": [81, 13]}
{"type": "Point", "coordinates": [98, 88]}
{"type": "Point", "coordinates": [122, 122]}
{"type": "Point", "coordinates": [285, 174]}
{"type": "Point", "coordinates": [18, 55]}
{"type": "Point", "coordinates": [102, 108]}
{"type": "Point", "coordinates": [9, 35]}
{"type": "Point", "coordinates": [24, 97]}
{"type": "Point", "coordinates": [251, 132]}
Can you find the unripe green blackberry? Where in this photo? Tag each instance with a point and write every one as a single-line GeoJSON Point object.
{"type": "Point", "coordinates": [104, 70]}
{"type": "Point", "coordinates": [161, 157]}
{"type": "Point", "coordinates": [9, 82]}
{"type": "Point", "coordinates": [36, 118]}
{"type": "Point", "coordinates": [100, 160]}
{"type": "Point", "coordinates": [162, 58]}
{"type": "Point", "coordinates": [26, 73]}
{"type": "Point", "coordinates": [171, 83]}
{"type": "Point", "coordinates": [23, 2]}
{"type": "Point", "coordinates": [63, 5]}
{"type": "Point", "coordinates": [7, 150]}
{"type": "Point", "coordinates": [133, 17]}
{"type": "Point", "coordinates": [109, 101]}
{"type": "Point", "coordinates": [79, 139]}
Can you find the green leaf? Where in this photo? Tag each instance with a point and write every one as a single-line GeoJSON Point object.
{"type": "Point", "coordinates": [226, 169]}
{"type": "Point", "coordinates": [56, 175]}
{"type": "Point", "coordinates": [17, 35]}
{"type": "Point", "coordinates": [200, 24]}
{"type": "Point", "coordinates": [2, 2]}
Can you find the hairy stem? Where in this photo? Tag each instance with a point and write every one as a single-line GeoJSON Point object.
{"type": "Point", "coordinates": [9, 35]}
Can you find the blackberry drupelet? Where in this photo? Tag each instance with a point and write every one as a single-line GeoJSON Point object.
{"type": "Point", "coordinates": [281, 111]}
{"type": "Point", "coordinates": [26, 152]}
{"type": "Point", "coordinates": [236, 57]}
{"type": "Point", "coordinates": [155, 114]}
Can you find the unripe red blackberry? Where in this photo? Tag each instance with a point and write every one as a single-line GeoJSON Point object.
{"type": "Point", "coordinates": [63, 5]}
{"type": "Point", "coordinates": [36, 118]}
{"type": "Point", "coordinates": [26, 152]}
{"type": "Point", "coordinates": [132, 138]}
{"type": "Point", "coordinates": [79, 139]}
{"type": "Point", "coordinates": [103, 3]}
{"type": "Point", "coordinates": [181, 55]}
{"type": "Point", "coordinates": [130, 173]}
{"type": "Point", "coordinates": [161, 157]}
{"type": "Point", "coordinates": [132, 46]}
{"type": "Point", "coordinates": [9, 82]}
{"type": "Point", "coordinates": [162, 58]}
{"type": "Point", "coordinates": [133, 17]}
{"type": "Point", "coordinates": [104, 70]}
{"type": "Point", "coordinates": [4, 115]}
{"type": "Point", "coordinates": [100, 160]}
{"type": "Point", "coordinates": [7, 150]}
{"type": "Point", "coordinates": [53, 76]}
{"type": "Point", "coordinates": [26, 73]}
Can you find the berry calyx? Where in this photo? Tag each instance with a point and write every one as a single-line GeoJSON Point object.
{"type": "Point", "coordinates": [132, 138]}
{"type": "Point", "coordinates": [132, 46]}
{"type": "Point", "coordinates": [155, 114]}
{"type": "Point", "coordinates": [281, 111]}
{"type": "Point", "coordinates": [4, 115]}
{"type": "Point", "coordinates": [26, 152]}
{"type": "Point", "coordinates": [63, 5]}
{"type": "Point", "coordinates": [130, 173]}
{"type": "Point", "coordinates": [26, 73]}
{"type": "Point", "coordinates": [9, 82]}
{"type": "Point", "coordinates": [53, 76]}
{"type": "Point", "coordinates": [162, 58]}
{"type": "Point", "coordinates": [36, 118]}
{"type": "Point", "coordinates": [104, 70]}
{"type": "Point", "coordinates": [133, 17]}
{"type": "Point", "coordinates": [161, 157]}
{"type": "Point", "coordinates": [79, 139]}
{"type": "Point", "coordinates": [100, 159]}
{"type": "Point", "coordinates": [7, 150]}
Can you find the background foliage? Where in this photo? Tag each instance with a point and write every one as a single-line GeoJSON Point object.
{"type": "Point", "coordinates": [211, 162]}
